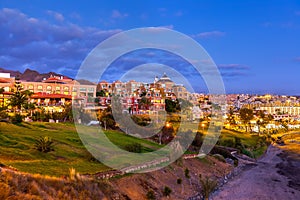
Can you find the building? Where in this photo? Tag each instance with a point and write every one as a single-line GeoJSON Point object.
{"type": "Point", "coordinates": [166, 83]}
{"type": "Point", "coordinates": [54, 91]}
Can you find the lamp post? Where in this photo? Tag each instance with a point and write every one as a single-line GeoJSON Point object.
{"type": "Point", "coordinates": [202, 125]}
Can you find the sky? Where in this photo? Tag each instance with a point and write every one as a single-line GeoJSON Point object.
{"type": "Point", "coordinates": [254, 44]}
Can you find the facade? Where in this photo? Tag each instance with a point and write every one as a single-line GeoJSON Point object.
{"type": "Point", "coordinates": [181, 92]}
{"type": "Point", "coordinates": [54, 91]}
{"type": "Point", "coordinates": [6, 83]}
{"type": "Point", "coordinates": [166, 83]}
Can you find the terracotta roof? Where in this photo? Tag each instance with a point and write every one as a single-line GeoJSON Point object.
{"type": "Point", "coordinates": [4, 80]}
{"type": "Point", "coordinates": [103, 81]}
{"type": "Point", "coordinates": [51, 96]}
{"type": "Point", "coordinates": [55, 80]}
{"type": "Point", "coordinates": [7, 93]}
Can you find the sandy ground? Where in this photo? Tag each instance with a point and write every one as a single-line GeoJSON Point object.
{"type": "Point", "coordinates": [275, 176]}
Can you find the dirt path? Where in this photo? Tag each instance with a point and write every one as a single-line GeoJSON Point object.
{"type": "Point", "coordinates": [266, 180]}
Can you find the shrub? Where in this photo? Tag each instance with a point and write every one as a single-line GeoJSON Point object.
{"type": "Point", "coordinates": [151, 195]}
{"type": "Point", "coordinates": [179, 181]}
{"type": "Point", "coordinates": [17, 119]}
{"type": "Point", "coordinates": [236, 163]}
{"type": "Point", "coordinates": [167, 191]}
{"type": "Point", "coordinates": [187, 173]}
{"type": "Point", "coordinates": [208, 186]}
{"type": "Point", "coordinates": [44, 144]}
{"type": "Point", "coordinates": [3, 114]}
{"type": "Point", "coordinates": [219, 157]}
{"type": "Point", "coordinates": [222, 151]}
{"type": "Point", "coordinates": [134, 147]}
{"type": "Point", "coordinates": [228, 143]}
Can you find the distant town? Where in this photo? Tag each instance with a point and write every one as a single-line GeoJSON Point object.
{"type": "Point", "coordinates": [53, 94]}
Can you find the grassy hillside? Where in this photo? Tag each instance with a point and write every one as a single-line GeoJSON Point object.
{"type": "Point", "coordinates": [17, 148]}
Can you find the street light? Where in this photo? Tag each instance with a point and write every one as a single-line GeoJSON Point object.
{"type": "Point", "coordinates": [202, 125]}
{"type": "Point", "coordinates": [168, 125]}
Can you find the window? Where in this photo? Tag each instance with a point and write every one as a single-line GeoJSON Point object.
{"type": "Point", "coordinates": [91, 89]}
{"type": "Point", "coordinates": [82, 89]}
{"type": "Point", "coordinates": [49, 87]}
{"type": "Point", "coordinates": [40, 87]}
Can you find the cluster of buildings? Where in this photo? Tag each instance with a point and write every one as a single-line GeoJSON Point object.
{"type": "Point", "coordinates": [55, 91]}
{"type": "Point", "coordinates": [132, 93]}
{"type": "Point", "coordinates": [50, 93]}
{"type": "Point", "coordinates": [142, 98]}
{"type": "Point", "coordinates": [282, 108]}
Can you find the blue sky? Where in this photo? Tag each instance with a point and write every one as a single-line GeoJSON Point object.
{"type": "Point", "coordinates": [255, 44]}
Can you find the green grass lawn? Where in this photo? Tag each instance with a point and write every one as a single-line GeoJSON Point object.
{"type": "Point", "coordinates": [249, 140]}
{"type": "Point", "coordinates": [17, 148]}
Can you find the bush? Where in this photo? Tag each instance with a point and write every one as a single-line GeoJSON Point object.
{"type": "Point", "coordinates": [219, 157]}
{"type": "Point", "coordinates": [3, 114]}
{"type": "Point", "coordinates": [187, 173]}
{"type": "Point", "coordinates": [151, 195]}
{"type": "Point", "coordinates": [228, 143]}
{"type": "Point", "coordinates": [134, 147]}
{"type": "Point", "coordinates": [208, 186]}
{"type": "Point", "coordinates": [44, 144]}
{"type": "Point", "coordinates": [17, 119]}
{"type": "Point", "coordinates": [167, 191]}
{"type": "Point", "coordinates": [236, 163]}
{"type": "Point", "coordinates": [225, 153]}
{"type": "Point", "coordinates": [179, 181]}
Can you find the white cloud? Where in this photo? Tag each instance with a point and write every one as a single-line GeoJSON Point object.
{"type": "Point", "coordinates": [209, 34]}
{"type": "Point", "coordinates": [57, 16]}
{"type": "Point", "coordinates": [118, 15]}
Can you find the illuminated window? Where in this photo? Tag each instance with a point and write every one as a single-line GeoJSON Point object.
{"type": "Point", "coordinates": [49, 87]}
{"type": "Point", "coordinates": [91, 89]}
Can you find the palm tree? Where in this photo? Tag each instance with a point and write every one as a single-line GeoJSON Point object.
{"type": "Point", "coordinates": [20, 97]}
{"type": "Point", "coordinates": [1, 92]}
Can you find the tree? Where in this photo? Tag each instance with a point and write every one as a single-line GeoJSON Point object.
{"type": "Point", "coordinates": [145, 103]}
{"type": "Point", "coordinates": [172, 106]}
{"type": "Point", "coordinates": [231, 118]}
{"type": "Point", "coordinates": [20, 97]}
{"type": "Point", "coordinates": [263, 120]}
{"type": "Point", "coordinates": [101, 93]}
{"type": "Point", "coordinates": [106, 118]}
{"type": "Point", "coordinates": [246, 115]}
{"type": "Point", "coordinates": [2, 105]}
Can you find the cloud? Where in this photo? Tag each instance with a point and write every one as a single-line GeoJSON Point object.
{"type": "Point", "coordinates": [297, 59]}
{"type": "Point", "coordinates": [57, 16]}
{"type": "Point", "coordinates": [162, 9]}
{"type": "Point", "coordinates": [233, 67]}
{"type": "Point", "coordinates": [233, 70]}
{"type": "Point", "coordinates": [179, 13]}
{"type": "Point", "coordinates": [118, 15]}
{"type": "Point", "coordinates": [209, 34]}
{"type": "Point", "coordinates": [43, 45]}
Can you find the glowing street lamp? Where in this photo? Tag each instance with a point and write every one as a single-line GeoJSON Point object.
{"type": "Point", "coordinates": [168, 125]}
{"type": "Point", "coordinates": [202, 125]}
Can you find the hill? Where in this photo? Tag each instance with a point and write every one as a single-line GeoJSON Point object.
{"type": "Point", "coordinates": [30, 75]}
{"type": "Point", "coordinates": [18, 151]}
